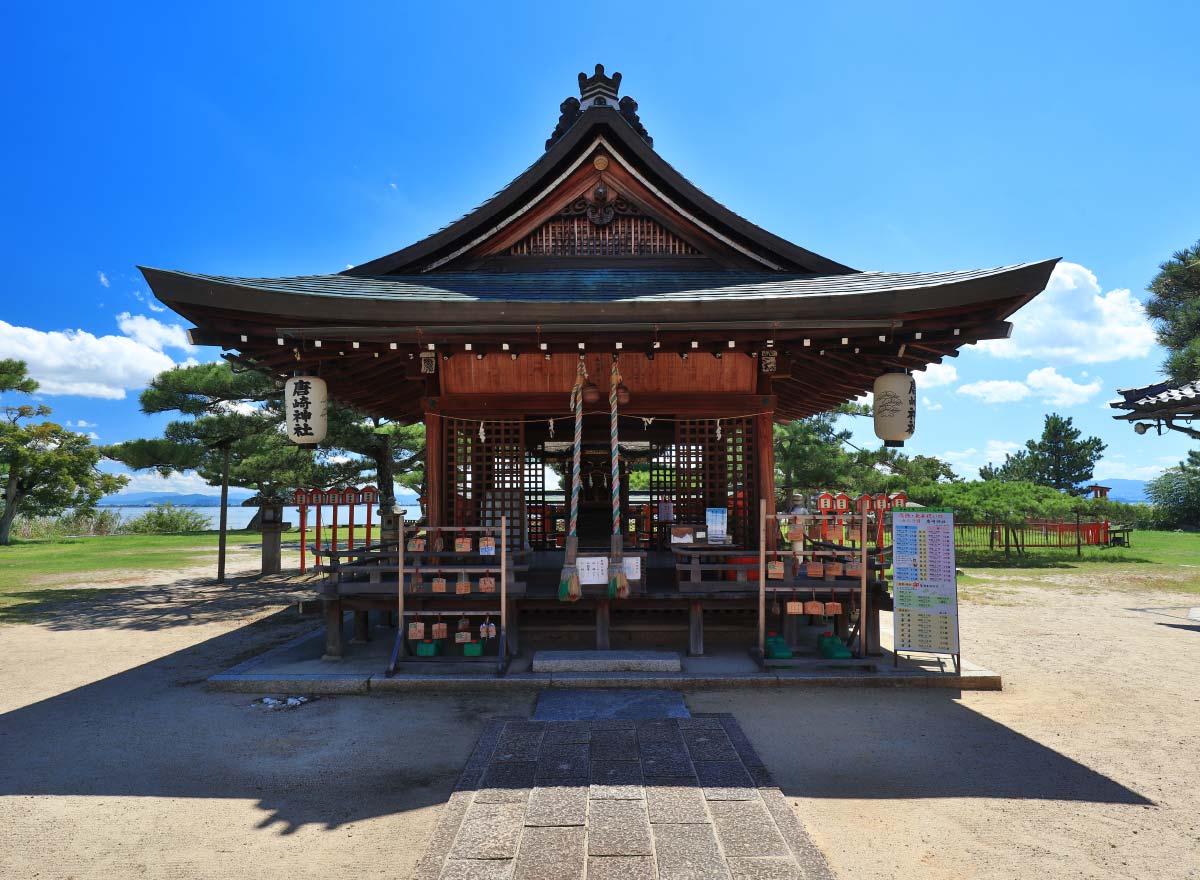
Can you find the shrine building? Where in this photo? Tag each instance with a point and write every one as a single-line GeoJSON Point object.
{"type": "Point", "coordinates": [600, 276]}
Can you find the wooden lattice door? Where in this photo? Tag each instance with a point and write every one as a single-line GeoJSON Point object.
{"type": "Point", "coordinates": [487, 476]}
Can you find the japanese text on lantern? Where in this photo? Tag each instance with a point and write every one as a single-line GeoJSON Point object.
{"type": "Point", "coordinates": [302, 408]}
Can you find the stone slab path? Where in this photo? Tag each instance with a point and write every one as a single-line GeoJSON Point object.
{"type": "Point", "coordinates": [665, 799]}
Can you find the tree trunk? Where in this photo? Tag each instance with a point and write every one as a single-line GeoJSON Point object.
{"type": "Point", "coordinates": [11, 499]}
{"type": "Point", "coordinates": [385, 479]}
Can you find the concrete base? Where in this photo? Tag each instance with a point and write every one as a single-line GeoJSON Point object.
{"type": "Point", "coordinates": [606, 661]}
{"type": "Point", "coordinates": [297, 668]}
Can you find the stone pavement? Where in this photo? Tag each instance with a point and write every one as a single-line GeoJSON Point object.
{"type": "Point", "coordinates": [672, 799]}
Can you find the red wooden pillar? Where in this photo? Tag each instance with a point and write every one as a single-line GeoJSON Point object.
{"type": "Point", "coordinates": [764, 458]}
{"type": "Point", "coordinates": [317, 536]}
{"type": "Point", "coordinates": [300, 499]}
{"type": "Point", "coordinates": [333, 540]}
{"type": "Point", "coordinates": [303, 526]}
{"type": "Point", "coordinates": [434, 468]}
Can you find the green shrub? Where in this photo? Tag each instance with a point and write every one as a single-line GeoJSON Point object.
{"type": "Point", "coordinates": [168, 519]}
{"type": "Point", "coordinates": [68, 525]}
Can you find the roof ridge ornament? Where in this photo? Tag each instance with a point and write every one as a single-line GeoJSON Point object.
{"type": "Point", "coordinates": [597, 90]}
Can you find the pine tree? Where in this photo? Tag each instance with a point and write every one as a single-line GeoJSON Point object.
{"type": "Point", "coordinates": [44, 468]}
{"type": "Point", "coordinates": [1060, 459]}
{"type": "Point", "coordinates": [1174, 305]}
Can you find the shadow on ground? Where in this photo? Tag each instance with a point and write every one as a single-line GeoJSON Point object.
{"type": "Point", "coordinates": [183, 602]}
{"type": "Point", "coordinates": [154, 731]}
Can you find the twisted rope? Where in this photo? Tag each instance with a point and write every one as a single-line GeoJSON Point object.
{"type": "Point", "coordinates": [613, 449]}
{"type": "Point", "coordinates": [577, 451]}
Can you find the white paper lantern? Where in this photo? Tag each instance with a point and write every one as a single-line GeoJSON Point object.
{"type": "Point", "coordinates": [895, 408]}
{"type": "Point", "coordinates": [306, 403]}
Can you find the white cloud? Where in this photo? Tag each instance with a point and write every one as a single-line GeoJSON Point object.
{"type": "Point", "coordinates": [392, 185]}
{"type": "Point", "coordinates": [960, 458]}
{"type": "Point", "coordinates": [103, 279]}
{"type": "Point", "coordinates": [1046, 383]}
{"type": "Point", "coordinates": [81, 423]}
{"type": "Point", "coordinates": [1119, 470]}
{"type": "Point", "coordinates": [996, 390]}
{"type": "Point", "coordinates": [967, 462]}
{"type": "Point", "coordinates": [152, 332]}
{"type": "Point", "coordinates": [148, 301]}
{"type": "Point", "coordinates": [241, 407]}
{"type": "Point", "coordinates": [77, 362]}
{"type": "Point", "coordinates": [1058, 390]}
{"type": "Point", "coordinates": [936, 374]}
{"type": "Point", "coordinates": [150, 481]}
{"type": "Point", "coordinates": [997, 450]}
{"type": "Point", "coordinates": [930, 405]}
{"type": "Point", "coordinates": [1073, 320]}
{"type": "Point", "coordinates": [93, 436]}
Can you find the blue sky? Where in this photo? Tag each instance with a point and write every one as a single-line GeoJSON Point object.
{"type": "Point", "coordinates": [288, 139]}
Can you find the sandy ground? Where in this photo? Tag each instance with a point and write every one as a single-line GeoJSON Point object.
{"type": "Point", "coordinates": [116, 762]}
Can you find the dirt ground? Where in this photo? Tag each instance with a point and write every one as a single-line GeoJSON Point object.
{"type": "Point", "coordinates": [116, 762]}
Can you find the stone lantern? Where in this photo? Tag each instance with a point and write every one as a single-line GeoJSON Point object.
{"type": "Point", "coordinates": [269, 521]}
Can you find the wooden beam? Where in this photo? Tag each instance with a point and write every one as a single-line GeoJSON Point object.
{"type": "Point", "coordinates": [698, 405]}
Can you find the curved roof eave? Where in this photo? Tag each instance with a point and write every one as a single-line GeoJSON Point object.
{"type": "Point", "coordinates": [610, 294]}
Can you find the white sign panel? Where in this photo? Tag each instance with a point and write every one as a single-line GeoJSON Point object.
{"type": "Point", "coordinates": [926, 588]}
{"type": "Point", "coordinates": [633, 567]}
{"type": "Point", "coordinates": [592, 570]}
{"type": "Point", "coordinates": [716, 520]}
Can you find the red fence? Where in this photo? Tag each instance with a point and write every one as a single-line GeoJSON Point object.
{"type": "Point", "coordinates": [1032, 533]}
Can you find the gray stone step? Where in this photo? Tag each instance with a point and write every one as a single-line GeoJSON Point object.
{"type": "Point", "coordinates": [606, 661]}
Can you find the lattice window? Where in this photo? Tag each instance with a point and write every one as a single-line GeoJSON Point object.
{"type": "Point", "coordinates": [540, 525]}
{"type": "Point", "coordinates": [486, 478]}
{"type": "Point", "coordinates": [624, 236]}
{"type": "Point", "coordinates": [717, 473]}
{"type": "Point", "coordinates": [662, 485]}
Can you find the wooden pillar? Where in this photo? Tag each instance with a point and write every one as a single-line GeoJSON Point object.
{"type": "Point", "coordinates": [224, 526]}
{"type": "Point", "coordinates": [334, 648]}
{"type": "Point", "coordinates": [870, 624]}
{"type": "Point", "coordinates": [602, 625]}
{"type": "Point", "coordinates": [764, 459]}
{"type": "Point", "coordinates": [695, 628]}
{"type": "Point", "coordinates": [362, 627]}
{"type": "Point", "coordinates": [512, 629]}
{"type": "Point", "coordinates": [434, 468]}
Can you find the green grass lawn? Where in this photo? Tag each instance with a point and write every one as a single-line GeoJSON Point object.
{"type": "Point", "coordinates": [1157, 560]}
{"type": "Point", "coordinates": [65, 563]}
{"type": "Point", "coordinates": [31, 562]}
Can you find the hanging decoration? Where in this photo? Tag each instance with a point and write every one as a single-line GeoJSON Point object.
{"type": "Point", "coordinates": [895, 408]}
{"type": "Point", "coordinates": [618, 582]}
{"type": "Point", "coordinates": [306, 402]}
{"type": "Point", "coordinates": [569, 589]}
{"type": "Point", "coordinates": [482, 434]}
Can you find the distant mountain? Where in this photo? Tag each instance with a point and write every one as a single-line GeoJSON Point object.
{"type": "Point", "coordinates": [194, 499]}
{"type": "Point", "coordinates": [1129, 491]}
{"type": "Point", "coordinates": [405, 496]}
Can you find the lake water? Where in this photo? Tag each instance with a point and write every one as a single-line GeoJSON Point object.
{"type": "Point", "coordinates": [239, 517]}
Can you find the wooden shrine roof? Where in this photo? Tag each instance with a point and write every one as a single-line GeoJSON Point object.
{"type": "Point", "coordinates": [583, 296]}
{"type": "Point", "coordinates": [600, 244]}
{"type": "Point", "coordinates": [1161, 400]}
